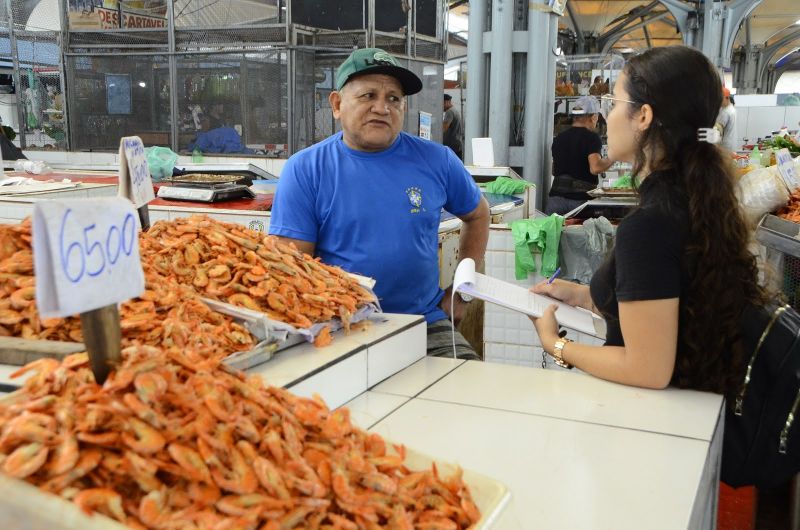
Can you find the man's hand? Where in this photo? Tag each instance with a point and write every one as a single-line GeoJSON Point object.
{"type": "Point", "coordinates": [460, 306]}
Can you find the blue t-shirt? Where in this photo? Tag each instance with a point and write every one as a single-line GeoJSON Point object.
{"type": "Point", "coordinates": [376, 214]}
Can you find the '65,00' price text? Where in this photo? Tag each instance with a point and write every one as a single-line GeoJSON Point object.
{"type": "Point", "coordinates": [97, 250]}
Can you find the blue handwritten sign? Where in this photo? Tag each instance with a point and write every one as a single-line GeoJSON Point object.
{"type": "Point", "coordinates": [86, 254]}
{"type": "Point", "coordinates": [787, 169]}
{"type": "Point", "coordinates": [134, 174]}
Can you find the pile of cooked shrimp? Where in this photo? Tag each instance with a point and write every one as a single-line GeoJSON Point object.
{"type": "Point", "coordinates": [175, 440]}
{"type": "Point", "coordinates": [792, 210]}
{"type": "Point", "coordinates": [243, 267]}
{"type": "Point", "coordinates": [184, 260]}
{"type": "Point", "coordinates": [166, 314]}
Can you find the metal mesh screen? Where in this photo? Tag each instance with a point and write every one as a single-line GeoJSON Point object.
{"type": "Point", "coordinates": [392, 16]}
{"type": "Point", "coordinates": [216, 14]}
{"type": "Point", "coordinates": [110, 98]}
{"type": "Point", "coordinates": [429, 50]}
{"type": "Point", "coordinates": [246, 92]}
{"type": "Point", "coordinates": [428, 100]}
{"type": "Point", "coordinates": [791, 280]}
{"type": "Point", "coordinates": [21, 11]}
{"type": "Point", "coordinates": [120, 40]}
{"type": "Point", "coordinates": [38, 115]}
{"type": "Point", "coordinates": [324, 76]}
{"type": "Point", "coordinates": [392, 43]}
{"type": "Point", "coordinates": [429, 17]}
{"type": "Point", "coordinates": [304, 109]}
{"type": "Point", "coordinates": [231, 38]}
{"type": "Point", "coordinates": [39, 92]}
{"type": "Point", "coordinates": [341, 39]}
{"type": "Point", "coordinates": [35, 16]}
{"type": "Point", "coordinates": [267, 103]}
{"type": "Point", "coordinates": [329, 14]}
{"type": "Point", "coordinates": [232, 67]}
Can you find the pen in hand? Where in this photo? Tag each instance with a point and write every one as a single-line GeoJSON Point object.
{"type": "Point", "coordinates": [554, 276]}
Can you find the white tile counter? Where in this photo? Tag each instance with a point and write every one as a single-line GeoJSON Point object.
{"type": "Point", "coordinates": [419, 376]}
{"type": "Point", "coordinates": [580, 397]}
{"type": "Point", "coordinates": [575, 451]}
{"type": "Point", "coordinates": [348, 366]}
{"type": "Point", "coordinates": [371, 407]}
{"type": "Point", "coordinates": [562, 474]}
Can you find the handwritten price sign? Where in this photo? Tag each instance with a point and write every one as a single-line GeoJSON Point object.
{"type": "Point", "coordinates": [134, 174]}
{"type": "Point", "coordinates": [786, 169]}
{"type": "Point", "coordinates": [86, 255]}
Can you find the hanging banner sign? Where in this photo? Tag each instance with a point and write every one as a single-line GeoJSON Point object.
{"type": "Point", "coordinates": [109, 18]}
{"type": "Point", "coordinates": [83, 16]}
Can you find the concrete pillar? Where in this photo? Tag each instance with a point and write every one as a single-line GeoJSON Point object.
{"type": "Point", "coordinates": [475, 112]}
{"type": "Point", "coordinates": [539, 97]}
{"type": "Point", "coordinates": [721, 22]}
{"type": "Point", "coordinates": [713, 22]}
{"type": "Point", "coordinates": [745, 69]}
{"type": "Point", "coordinates": [500, 79]}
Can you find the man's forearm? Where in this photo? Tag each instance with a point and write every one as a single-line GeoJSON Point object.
{"type": "Point", "coordinates": [475, 235]}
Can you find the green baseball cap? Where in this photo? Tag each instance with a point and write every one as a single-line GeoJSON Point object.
{"type": "Point", "coordinates": [376, 61]}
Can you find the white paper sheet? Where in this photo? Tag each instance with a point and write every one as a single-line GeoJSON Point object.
{"type": "Point", "coordinates": [482, 152]}
{"type": "Point", "coordinates": [520, 299]}
{"type": "Point", "coordinates": [33, 187]}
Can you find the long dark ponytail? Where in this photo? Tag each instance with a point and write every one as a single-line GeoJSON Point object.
{"type": "Point", "coordinates": [685, 93]}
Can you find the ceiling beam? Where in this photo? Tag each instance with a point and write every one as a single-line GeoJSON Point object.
{"type": "Point", "coordinates": [770, 50]}
{"type": "Point", "coordinates": [577, 28]}
{"type": "Point", "coordinates": [632, 15]}
{"type": "Point", "coordinates": [607, 41]}
{"type": "Point", "coordinates": [646, 36]}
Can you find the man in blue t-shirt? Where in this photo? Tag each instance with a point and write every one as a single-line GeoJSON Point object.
{"type": "Point", "coordinates": [369, 198]}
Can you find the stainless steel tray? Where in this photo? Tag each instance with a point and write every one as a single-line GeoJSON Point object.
{"type": "Point", "coordinates": [779, 234]}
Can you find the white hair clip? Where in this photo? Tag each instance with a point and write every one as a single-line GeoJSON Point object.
{"type": "Point", "coordinates": [711, 135]}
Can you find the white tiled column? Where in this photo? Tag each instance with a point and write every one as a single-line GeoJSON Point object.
{"type": "Point", "coordinates": [509, 337]}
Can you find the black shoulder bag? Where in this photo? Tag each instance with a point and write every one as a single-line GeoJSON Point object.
{"type": "Point", "coordinates": [761, 444]}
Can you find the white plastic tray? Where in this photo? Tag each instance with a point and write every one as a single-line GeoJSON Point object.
{"type": "Point", "coordinates": [489, 495]}
{"type": "Point", "coordinates": [25, 507]}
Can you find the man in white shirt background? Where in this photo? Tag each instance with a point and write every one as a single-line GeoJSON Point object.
{"type": "Point", "coordinates": [726, 122]}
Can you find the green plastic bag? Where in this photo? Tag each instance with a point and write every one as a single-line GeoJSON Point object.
{"type": "Point", "coordinates": [161, 161]}
{"type": "Point", "coordinates": [625, 181]}
{"type": "Point", "coordinates": [507, 186]}
{"type": "Point", "coordinates": [541, 235]}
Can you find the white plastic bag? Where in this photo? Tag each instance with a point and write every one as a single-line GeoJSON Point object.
{"type": "Point", "coordinates": [34, 167]}
{"type": "Point", "coordinates": [762, 191]}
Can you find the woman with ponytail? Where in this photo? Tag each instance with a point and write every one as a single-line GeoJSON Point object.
{"type": "Point", "coordinates": [674, 288]}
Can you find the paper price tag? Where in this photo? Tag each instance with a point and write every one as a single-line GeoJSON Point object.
{"type": "Point", "coordinates": [787, 170]}
{"type": "Point", "coordinates": [134, 174]}
{"type": "Point", "coordinates": [85, 255]}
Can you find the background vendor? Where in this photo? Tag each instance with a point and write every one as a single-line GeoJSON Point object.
{"type": "Point", "coordinates": [576, 158]}
{"type": "Point", "coordinates": [369, 198]}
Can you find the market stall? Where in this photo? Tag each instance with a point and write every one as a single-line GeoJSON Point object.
{"type": "Point", "coordinates": [599, 439]}
{"type": "Point", "coordinates": [216, 298]}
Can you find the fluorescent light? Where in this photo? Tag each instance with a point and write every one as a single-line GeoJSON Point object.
{"type": "Point", "coordinates": [142, 84]}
